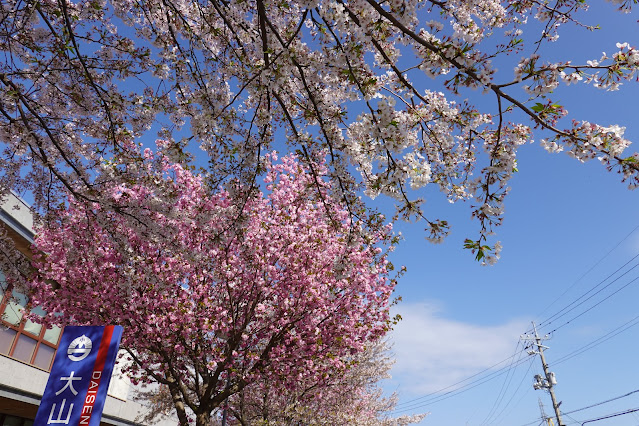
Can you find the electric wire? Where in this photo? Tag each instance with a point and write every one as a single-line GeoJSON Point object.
{"type": "Point", "coordinates": [609, 416]}
{"type": "Point", "coordinates": [623, 327]}
{"type": "Point", "coordinates": [492, 417]}
{"type": "Point", "coordinates": [523, 379]}
{"type": "Point", "coordinates": [602, 402]}
{"type": "Point", "coordinates": [572, 419]}
{"type": "Point", "coordinates": [553, 316]}
{"type": "Point", "coordinates": [596, 304]}
{"type": "Point", "coordinates": [569, 308]}
{"type": "Point", "coordinates": [534, 422]}
{"type": "Point", "coordinates": [589, 270]}
{"type": "Point", "coordinates": [504, 386]}
{"type": "Point", "coordinates": [438, 398]}
{"type": "Point", "coordinates": [542, 323]}
{"type": "Point", "coordinates": [412, 401]}
{"type": "Point", "coordinates": [591, 405]}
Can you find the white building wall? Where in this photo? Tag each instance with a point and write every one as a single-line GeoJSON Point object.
{"type": "Point", "coordinates": [24, 383]}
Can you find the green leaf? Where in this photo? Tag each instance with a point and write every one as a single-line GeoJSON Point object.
{"type": "Point", "coordinates": [538, 107]}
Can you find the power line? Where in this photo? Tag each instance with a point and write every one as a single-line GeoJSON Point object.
{"type": "Point", "coordinates": [516, 390]}
{"type": "Point", "coordinates": [587, 272]}
{"type": "Point", "coordinates": [596, 304]}
{"type": "Point", "coordinates": [599, 340]}
{"type": "Point", "coordinates": [534, 422]}
{"type": "Point", "coordinates": [609, 416]}
{"type": "Point", "coordinates": [438, 398]}
{"type": "Point", "coordinates": [582, 276]}
{"type": "Point", "coordinates": [590, 406]}
{"type": "Point", "coordinates": [564, 311]}
{"type": "Point", "coordinates": [573, 420]}
{"type": "Point", "coordinates": [602, 402]}
{"type": "Point", "coordinates": [412, 401]}
{"type": "Point", "coordinates": [505, 385]}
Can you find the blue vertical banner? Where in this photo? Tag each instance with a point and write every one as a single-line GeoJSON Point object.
{"type": "Point", "coordinates": [77, 386]}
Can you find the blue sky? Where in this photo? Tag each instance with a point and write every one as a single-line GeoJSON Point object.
{"type": "Point", "coordinates": [568, 226]}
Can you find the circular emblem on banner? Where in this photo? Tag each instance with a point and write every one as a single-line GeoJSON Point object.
{"type": "Point", "coordinates": [79, 348]}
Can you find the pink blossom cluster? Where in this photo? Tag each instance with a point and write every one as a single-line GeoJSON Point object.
{"type": "Point", "coordinates": [343, 398]}
{"type": "Point", "coordinates": [212, 293]}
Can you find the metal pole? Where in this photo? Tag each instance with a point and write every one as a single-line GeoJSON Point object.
{"type": "Point", "coordinates": [226, 402]}
{"type": "Point", "coordinates": [548, 375]}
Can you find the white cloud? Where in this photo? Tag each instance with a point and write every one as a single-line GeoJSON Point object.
{"type": "Point", "coordinates": [433, 352]}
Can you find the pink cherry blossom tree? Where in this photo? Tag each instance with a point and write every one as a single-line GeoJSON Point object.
{"type": "Point", "coordinates": [85, 81]}
{"type": "Point", "coordinates": [214, 297]}
{"type": "Point", "coordinates": [349, 398]}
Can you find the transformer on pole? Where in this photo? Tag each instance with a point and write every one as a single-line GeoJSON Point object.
{"type": "Point", "coordinates": [548, 381]}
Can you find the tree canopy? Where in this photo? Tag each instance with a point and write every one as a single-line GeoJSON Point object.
{"type": "Point", "coordinates": [208, 306]}
{"type": "Point", "coordinates": [379, 88]}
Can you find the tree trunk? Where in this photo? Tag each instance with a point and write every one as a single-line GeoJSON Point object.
{"type": "Point", "coordinates": [203, 419]}
{"type": "Point", "coordinates": [178, 403]}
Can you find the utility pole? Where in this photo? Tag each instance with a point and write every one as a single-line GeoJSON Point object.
{"type": "Point", "coordinates": [549, 381]}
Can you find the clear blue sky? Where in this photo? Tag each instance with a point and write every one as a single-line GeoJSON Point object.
{"type": "Point", "coordinates": [563, 219]}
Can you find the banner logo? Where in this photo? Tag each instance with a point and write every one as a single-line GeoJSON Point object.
{"type": "Point", "coordinates": [80, 348]}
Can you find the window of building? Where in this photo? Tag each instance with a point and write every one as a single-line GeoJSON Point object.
{"type": "Point", "coordinates": [7, 420]}
{"type": "Point", "coordinates": [22, 338]}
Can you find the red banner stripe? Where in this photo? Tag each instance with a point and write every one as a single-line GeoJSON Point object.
{"type": "Point", "coordinates": [96, 376]}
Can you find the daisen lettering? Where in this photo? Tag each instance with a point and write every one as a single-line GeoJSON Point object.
{"type": "Point", "coordinates": [87, 408]}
